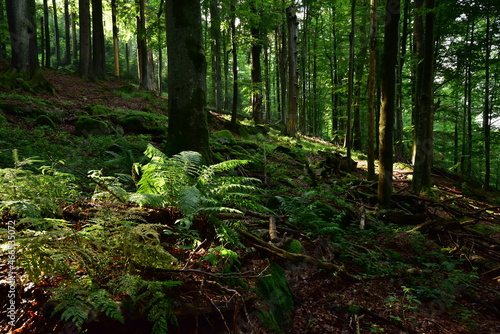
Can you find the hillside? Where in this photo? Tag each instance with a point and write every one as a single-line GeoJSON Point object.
{"type": "Point", "coordinates": [280, 237]}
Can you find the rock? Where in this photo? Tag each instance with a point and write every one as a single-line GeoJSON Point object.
{"type": "Point", "coordinates": [46, 121]}
{"type": "Point", "coordinates": [88, 126]}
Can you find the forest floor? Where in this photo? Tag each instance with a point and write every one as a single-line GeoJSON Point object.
{"type": "Point", "coordinates": [430, 264]}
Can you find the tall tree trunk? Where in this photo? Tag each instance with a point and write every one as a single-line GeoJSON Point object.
{"type": "Point", "coordinates": [425, 103]}
{"type": "Point", "coordinates": [73, 34]}
{"type": "Point", "coordinates": [22, 27]}
{"type": "Point", "coordinates": [187, 126]}
{"type": "Point", "coordinates": [283, 70]}
{"type": "Point", "coordinates": [399, 111]}
{"type": "Point", "coordinates": [47, 33]}
{"type": "Point", "coordinates": [144, 52]}
{"type": "Point", "coordinates": [85, 67]}
{"type": "Point", "coordinates": [293, 71]}
{"type": "Point", "coordinates": [116, 54]}
{"type": "Point", "coordinates": [486, 112]}
{"type": "Point", "coordinates": [160, 52]}
{"type": "Point", "coordinates": [67, 33]}
{"type": "Point", "coordinates": [3, 37]}
{"type": "Point", "coordinates": [215, 26]}
{"type": "Point", "coordinates": [234, 52]}
{"type": "Point", "coordinates": [98, 45]}
{"type": "Point", "coordinates": [388, 92]}
{"type": "Point", "coordinates": [267, 85]}
{"type": "Point", "coordinates": [56, 33]}
{"type": "Point", "coordinates": [350, 78]}
{"type": "Point", "coordinates": [42, 40]}
{"type": "Point", "coordinates": [371, 89]}
{"type": "Point", "coordinates": [256, 50]}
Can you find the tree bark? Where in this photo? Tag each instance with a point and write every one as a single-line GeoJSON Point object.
{"type": "Point", "coordinates": [3, 37]}
{"type": "Point", "coordinates": [67, 33]}
{"type": "Point", "coordinates": [85, 66]}
{"type": "Point", "coordinates": [22, 27]}
{"type": "Point", "coordinates": [144, 52]}
{"type": "Point", "coordinates": [116, 54]}
{"type": "Point", "coordinates": [371, 89]}
{"type": "Point", "coordinates": [73, 34]}
{"type": "Point", "coordinates": [98, 46]}
{"type": "Point", "coordinates": [234, 52]}
{"type": "Point", "coordinates": [256, 70]}
{"type": "Point", "coordinates": [350, 78]}
{"type": "Point", "coordinates": [486, 112]}
{"type": "Point", "coordinates": [424, 102]}
{"type": "Point", "coordinates": [216, 54]}
{"type": "Point", "coordinates": [56, 35]}
{"type": "Point", "coordinates": [47, 33]}
{"type": "Point", "coordinates": [293, 84]}
{"type": "Point", "coordinates": [187, 127]}
{"type": "Point", "coordinates": [388, 92]}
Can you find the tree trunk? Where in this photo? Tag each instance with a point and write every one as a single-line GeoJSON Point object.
{"type": "Point", "coordinates": [3, 37]}
{"type": "Point", "coordinates": [187, 126]}
{"type": "Point", "coordinates": [388, 92]}
{"type": "Point", "coordinates": [256, 50]}
{"type": "Point", "coordinates": [145, 54]}
{"type": "Point", "coordinates": [98, 46]}
{"type": "Point", "coordinates": [67, 33]}
{"type": "Point", "coordinates": [424, 102]}
{"type": "Point", "coordinates": [234, 42]}
{"type": "Point", "coordinates": [293, 84]}
{"type": "Point", "coordinates": [283, 69]}
{"type": "Point", "coordinates": [85, 67]}
{"type": "Point", "coordinates": [486, 112]}
{"type": "Point", "coordinates": [116, 54]}
{"type": "Point", "coordinates": [350, 78]}
{"type": "Point", "coordinates": [42, 40]}
{"type": "Point", "coordinates": [47, 33]}
{"type": "Point", "coordinates": [215, 26]}
{"type": "Point", "coordinates": [267, 85]}
{"type": "Point", "coordinates": [22, 27]}
{"type": "Point", "coordinates": [57, 37]}
{"type": "Point", "coordinates": [371, 89]}
{"type": "Point", "coordinates": [73, 34]}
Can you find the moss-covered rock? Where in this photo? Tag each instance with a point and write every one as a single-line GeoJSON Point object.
{"type": "Point", "coordinates": [87, 126]}
{"type": "Point", "coordinates": [45, 120]}
{"type": "Point", "coordinates": [279, 299]}
{"type": "Point", "coordinates": [95, 109]}
{"type": "Point", "coordinates": [224, 137]}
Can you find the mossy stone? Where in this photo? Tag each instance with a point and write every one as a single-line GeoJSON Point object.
{"type": "Point", "coordinates": [96, 109]}
{"type": "Point", "coordinates": [45, 120]}
{"type": "Point", "coordinates": [224, 137]}
{"type": "Point", "coordinates": [87, 126]}
{"type": "Point", "coordinates": [134, 124]}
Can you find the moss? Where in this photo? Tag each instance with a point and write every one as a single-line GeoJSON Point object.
{"type": "Point", "coordinates": [278, 297]}
{"type": "Point", "coordinates": [3, 120]}
{"type": "Point", "coordinates": [87, 126]}
{"type": "Point", "coordinates": [45, 120]}
{"type": "Point", "coordinates": [224, 137]}
{"type": "Point", "coordinates": [95, 109]}
{"type": "Point", "coordinates": [295, 247]}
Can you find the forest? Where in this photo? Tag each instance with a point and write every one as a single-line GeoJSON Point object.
{"type": "Point", "coordinates": [260, 166]}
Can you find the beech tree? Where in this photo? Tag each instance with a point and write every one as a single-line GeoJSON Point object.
{"type": "Point", "coordinates": [187, 126]}
{"type": "Point", "coordinates": [388, 92]}
{"type": "Point", "coordinates": [24, 61]}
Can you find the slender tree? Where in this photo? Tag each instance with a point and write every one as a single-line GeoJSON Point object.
{"type": "Point", "coordinates": [424, 99]}
{"type": "Point", "coordinates": [56, 35]}
{"type": "Point", "coordinates": [98, 45]}
{"type": "Point", "coordinates": [350, 78]}
{"type": "Point", "coordinates": [371, 89]}
{"type": "Point", "coordinates": [85, 66]}
{"type": "Point", "coordinates": [187, 126]}
{"type": "Point", "coordinates": [67, 33]}
{"type": "Point", "coordinates": [234, 53]}
{"type": "Point", "coordinates": [388, 92]}
{"type": "Point", "coordinates": [256, 70]}
{"type": "Point", "coordinates": [293, 71]}
{"type": "Point", "coordinates": [3, 29]}
{"type": "Point", "coordinates": [486, 111]}
{"type": "Point", "coordinates": [116, 54]}
{"type": "Point", "coordinates": [215, 26]}
{"type": "Point", "coordinates": [144, 52]}
{"type": "Point", "coordinates": [47, 33]}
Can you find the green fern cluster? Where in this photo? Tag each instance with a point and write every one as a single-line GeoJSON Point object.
{"type": "Point", "coordinates": [182, 181]}
{"type": "Point", "coordinates": [76, 302]}
{"type": "Point", "coordinates": [315, 217]}
{"type": "Point", "coordinates": [26, 193]}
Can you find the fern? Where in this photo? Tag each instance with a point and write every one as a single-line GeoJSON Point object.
{"type": "Point", "coordinates": [101, 300]}
{"type": "Point", "coordinates": [182, 181]}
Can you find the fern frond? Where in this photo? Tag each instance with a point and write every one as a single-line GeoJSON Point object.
{"type": "Point", "coordinates": [101, 300]}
